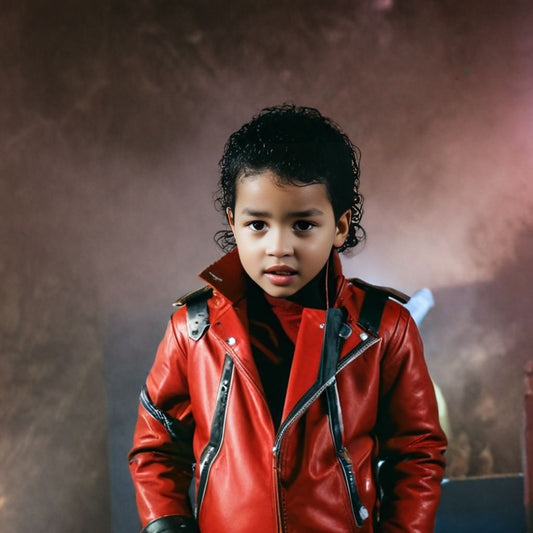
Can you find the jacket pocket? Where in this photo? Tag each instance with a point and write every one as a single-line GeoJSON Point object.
{"type": "Point", "coordinates": [360, 512]}
{"type": "Point", "coordinates": [218, 425]}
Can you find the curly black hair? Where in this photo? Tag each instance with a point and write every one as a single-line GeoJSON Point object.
{"type": "Point", "coordinates": [300, 146]}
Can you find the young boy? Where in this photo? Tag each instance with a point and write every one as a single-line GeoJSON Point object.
{"type": "Point", "coordinates": [284, 383]}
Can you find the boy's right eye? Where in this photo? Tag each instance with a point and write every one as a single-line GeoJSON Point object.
{"type": "Point", "coordinates": [256, 225]}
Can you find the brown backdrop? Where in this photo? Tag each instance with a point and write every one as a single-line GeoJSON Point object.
{"type": "Point", "coordinates": [113, 116]}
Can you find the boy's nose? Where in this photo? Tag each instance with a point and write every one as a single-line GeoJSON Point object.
{"type": "Point", "coordinates": [279, 244]}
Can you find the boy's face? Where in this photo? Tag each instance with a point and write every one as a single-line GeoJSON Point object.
{"type": "Point", "coordinates": [284, 233]}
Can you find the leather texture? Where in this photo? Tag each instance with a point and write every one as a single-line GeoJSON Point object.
{"type": "Point", "coordinates": [377, 403]}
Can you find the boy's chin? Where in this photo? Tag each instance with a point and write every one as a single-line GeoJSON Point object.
{"type": "Point", "coordinates": [280, 292]}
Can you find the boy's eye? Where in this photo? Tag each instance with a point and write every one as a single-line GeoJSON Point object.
{"type": "Point", "coordinates": [303, 225]}
{"type": "Point", "coordinates": [256, 225]}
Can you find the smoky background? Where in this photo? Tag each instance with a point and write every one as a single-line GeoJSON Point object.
{"type": "Point", "coordinates": [113, 116]}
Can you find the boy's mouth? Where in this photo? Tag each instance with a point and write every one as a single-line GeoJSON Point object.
{"type": "Point", "coordinates": [280, 274]}
{"type": "Point", "coordinates": [282, 270]}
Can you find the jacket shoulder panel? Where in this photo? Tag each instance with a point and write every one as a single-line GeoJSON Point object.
{"type": "Point", "coordinates": [376, 299]}
{"type": "Point", "coordinates": [387, 292]}
{"type": "Point", "coordinates": [197, 311]}
{"type": "Point", "coordinates": [204, 292]}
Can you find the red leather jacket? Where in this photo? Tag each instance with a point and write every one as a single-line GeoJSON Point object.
{"type": "Point", "coordinates": [355, 398]}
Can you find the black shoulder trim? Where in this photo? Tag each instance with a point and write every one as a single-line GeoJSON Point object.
{"type": "Point", "coordinates": [197, 311]}
{"type": "Point", "coordinates": [389, 292]}
{"type": "Point", "coordinates": [205, 292]}
{"type": "Point", "coordinates": [374, 304]}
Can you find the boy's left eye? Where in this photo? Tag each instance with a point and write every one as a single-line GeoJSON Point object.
{"type": "Point", "coordinates": [303, 225]}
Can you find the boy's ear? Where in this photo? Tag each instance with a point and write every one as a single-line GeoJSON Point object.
{"type": "Point", "coordinates": [231, 221]}
{"type": "Point", "coordinates": [342, 229]}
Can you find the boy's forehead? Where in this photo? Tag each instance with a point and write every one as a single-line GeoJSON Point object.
{"type": "Point", "coordinates": [255, 191]}
{"type": "Point", "coordinates": [279, 181]}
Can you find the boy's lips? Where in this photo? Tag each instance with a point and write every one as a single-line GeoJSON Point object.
{"type": "Point", "coordinates": [280, 274]}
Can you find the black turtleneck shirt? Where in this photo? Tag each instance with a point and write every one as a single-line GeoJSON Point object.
{"type": "Point", "coordinates": [273, 328]}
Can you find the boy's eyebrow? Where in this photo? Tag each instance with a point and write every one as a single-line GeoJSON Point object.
{"type": "Point", "coordinates": [296, 214]}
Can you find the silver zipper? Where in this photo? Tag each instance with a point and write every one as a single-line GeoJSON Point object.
{"type": "Point", "coordinates": [359, 511]}
{"type": "Point", "coordinates": [218, 426]}
{"type": "Point", "coordinates": [357, 351]}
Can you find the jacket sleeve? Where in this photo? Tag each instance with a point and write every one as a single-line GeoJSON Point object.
{"type": "Point", "coordinates": [161, 458]}
{"type": "Point", "coordinates": [412, 443]}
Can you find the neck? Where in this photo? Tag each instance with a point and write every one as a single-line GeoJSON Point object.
{"type": "Point", "coordinates": [314, 294]}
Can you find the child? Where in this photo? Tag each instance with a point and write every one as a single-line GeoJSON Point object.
{"type": "Point", "coordinates": [284, 383]}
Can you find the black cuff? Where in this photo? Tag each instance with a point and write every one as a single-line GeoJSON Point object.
{"type": "Point", "coordinates": [171, 524]}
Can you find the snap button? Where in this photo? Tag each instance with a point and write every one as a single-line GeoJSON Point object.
{"type": "Point", "coordinates": [363, 512]}
{"type": "Point", "coordinates": [231, 341]}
